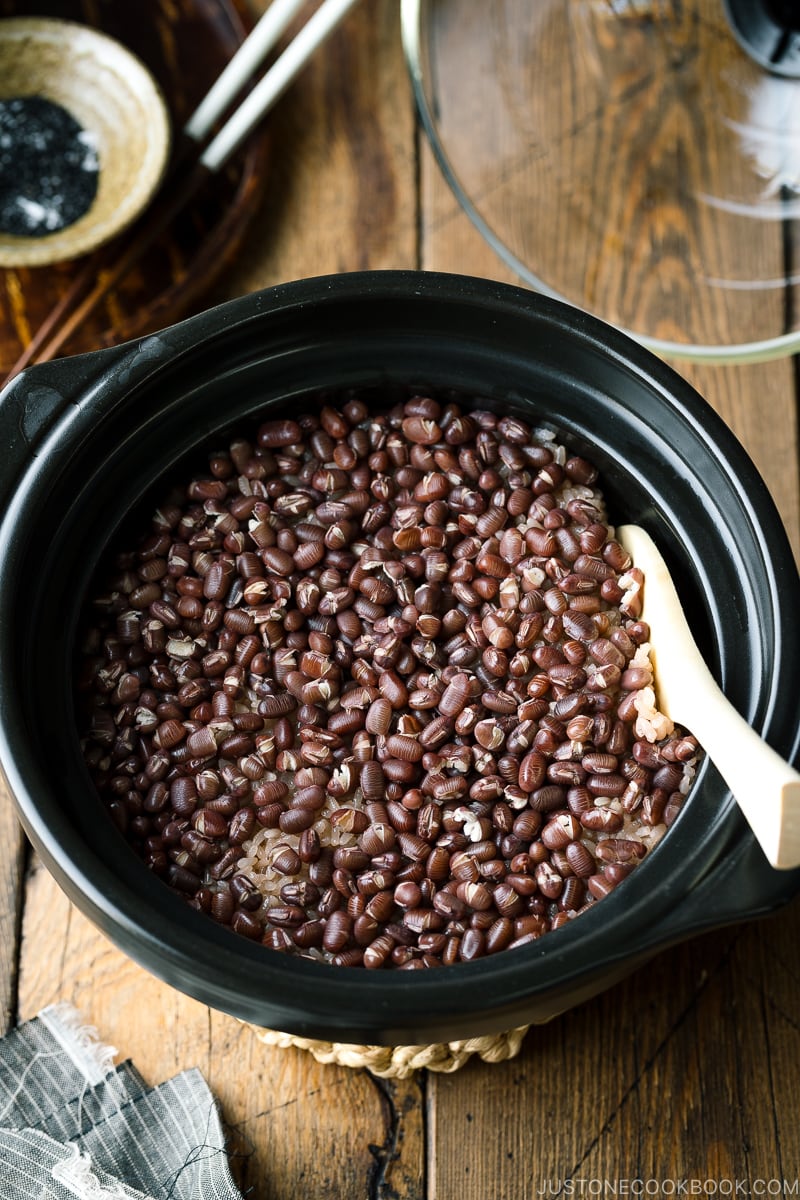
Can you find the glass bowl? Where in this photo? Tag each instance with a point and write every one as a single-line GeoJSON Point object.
{"type": "Point", "coordinates": [628, 157]}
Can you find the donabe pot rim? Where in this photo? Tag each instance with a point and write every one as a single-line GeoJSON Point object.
{"type": "Point", "coordinates": [186, 948]}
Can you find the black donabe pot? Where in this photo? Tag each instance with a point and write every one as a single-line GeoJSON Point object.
{"type": "Point", "coordinates": [87, 437]}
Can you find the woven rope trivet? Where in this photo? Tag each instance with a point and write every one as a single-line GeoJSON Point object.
{"type": "Point", "coordinates": [398, 1062]}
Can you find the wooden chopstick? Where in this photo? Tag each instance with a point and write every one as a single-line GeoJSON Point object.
{"type": "Point", "coordinates": [94, 282]}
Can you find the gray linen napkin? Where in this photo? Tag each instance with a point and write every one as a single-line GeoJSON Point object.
{"type": "Point", "coordinates": [74, 1125]}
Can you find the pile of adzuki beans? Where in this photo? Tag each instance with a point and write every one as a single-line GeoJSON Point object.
{"type": "Point", "coordinates": [402, 644]}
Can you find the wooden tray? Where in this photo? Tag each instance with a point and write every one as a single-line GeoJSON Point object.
{"type": "Point", "coordinates": [185, 43]}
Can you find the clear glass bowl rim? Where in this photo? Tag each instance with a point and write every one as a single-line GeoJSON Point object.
{"type": "Point", "coordinates": [412, 14]}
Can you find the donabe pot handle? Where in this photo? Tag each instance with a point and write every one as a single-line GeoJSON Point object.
{"type": "Point", "coordinates": [33, 401]}
{"type": "Point", "coordinates": [741, 887]}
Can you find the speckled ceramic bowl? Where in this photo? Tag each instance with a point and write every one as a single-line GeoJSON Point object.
{"type": "Point", "coordinates": [118, 105]}
{"type": "Point", "coordinates": [88, 437]}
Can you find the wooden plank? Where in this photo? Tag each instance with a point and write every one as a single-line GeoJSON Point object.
{"type": "Point", "coordinates": [12, 858]}
{"type": "Point", "coordinates": [625, 1087]}
{"type": "Point", "coordinates": [714, 1100]}
{"type": "Point", "coordinates": [293, 1122]}
{"type": "Point", "coordinates": [342, 198]}
{"type": "Point", "coordinates": [343, 191]}
{"type": "Point", "coordinates": [686, 1070]}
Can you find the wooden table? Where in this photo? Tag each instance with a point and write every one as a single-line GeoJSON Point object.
{"type": "Point", "coordinates": [688, 1074]}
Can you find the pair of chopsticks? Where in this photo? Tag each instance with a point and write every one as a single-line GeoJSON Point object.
{"type": "Point", "coordinates": [204, 154]}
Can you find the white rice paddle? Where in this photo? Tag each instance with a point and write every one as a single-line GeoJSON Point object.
{"type": "Point", "coordinates": [766, 788]}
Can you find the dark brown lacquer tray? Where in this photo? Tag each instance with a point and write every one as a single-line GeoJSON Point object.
{"type": "Point", "coordinates": [186, 44]}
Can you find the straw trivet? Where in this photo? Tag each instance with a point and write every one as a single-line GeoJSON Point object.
{"type": "Point", "coordinates": [398, 1062]}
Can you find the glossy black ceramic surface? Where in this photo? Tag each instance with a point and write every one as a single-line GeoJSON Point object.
{"type": "Point", "coordinates": [88, 438]}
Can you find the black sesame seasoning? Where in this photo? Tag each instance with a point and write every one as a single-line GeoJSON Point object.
{"type": "Point", "coordinates": [48, 167]}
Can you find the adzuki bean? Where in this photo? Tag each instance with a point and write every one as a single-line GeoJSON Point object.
{"type": "Point", "coordinates": [374, 690]}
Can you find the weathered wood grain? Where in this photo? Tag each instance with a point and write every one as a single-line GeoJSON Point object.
{"type": "Point", "coordinates": [688, 1070]}
{"type": "Point", "coordinates": [341, 197]}
{"type": "Point", "coordinates": [294, 1124]}
{"type": "Point", "coordinates": [12, 857]}
{"type": "Point", "coordinates": [342, 191]}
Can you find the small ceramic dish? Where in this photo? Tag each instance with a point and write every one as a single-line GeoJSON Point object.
{"type": "Point", "coordinates": [123, 121]}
